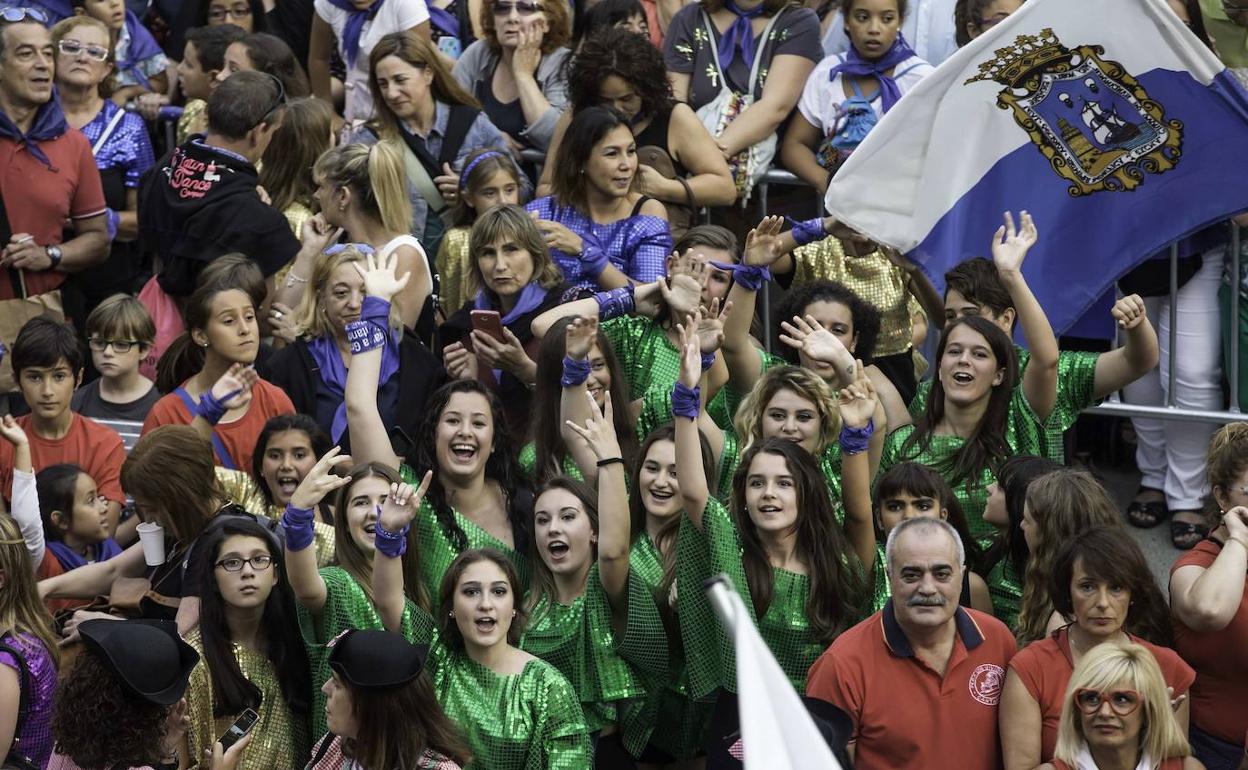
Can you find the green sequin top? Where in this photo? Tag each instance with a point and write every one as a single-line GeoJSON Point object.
{"type": "Point", "coordinates": [1006, 589]}
{"type": "Point", "coordinates": [580, 640]}
{"type": "Point", "coordinates": [528, 463]}
{"type": "Point", "coordinates": [784, 627]}
{"type": "Point", "coordinates": [647, 357]}
{"type": "Point", "coordinates": [880, 590]}
{"type": "Point", "coordinates": [347, 606]}
{"type": "Point", "coordinates": [526, 721]}
{"type": "Point", "coordinates": [1076, 391]}
{"type": "Point", "coordinates": [1024, 434]}
{"type": "Point", "coordinates": [656, 411]}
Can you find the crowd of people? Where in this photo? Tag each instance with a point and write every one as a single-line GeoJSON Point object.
{"type": "Point", "coordinates": [438, 323]}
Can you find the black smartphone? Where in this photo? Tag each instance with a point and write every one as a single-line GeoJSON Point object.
{"type": "Point", "coordinates": [239, 729]}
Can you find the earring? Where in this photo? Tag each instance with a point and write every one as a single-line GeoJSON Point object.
{"type": "Point", "coordinates": [450, 614]}
{"type": "Point", "coordinates": [513, 613]}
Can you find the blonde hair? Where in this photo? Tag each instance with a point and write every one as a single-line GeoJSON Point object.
{"type": "Point", "coordinates": [1113, 664]}
{"type": "Point", "coordinates": [1228, 459]}
{"type": "Point", "coordinates": [375, 176]}
{"type": "Point", "coordinates": [310, 316]}
{"type": "Point", "coordinates": [21, 611]}
{"type": "Point", "coordinates": [510, 221]}
{"type": "Point", "coordinates": [67, 25]}
{"type": "Point", "coordinates": [803, 382]}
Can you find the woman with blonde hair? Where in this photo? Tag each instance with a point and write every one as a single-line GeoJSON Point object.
{"type": "Point", "coordinates": [28, 655]}
{"type": "Point", "coordinates": [1117, 715]}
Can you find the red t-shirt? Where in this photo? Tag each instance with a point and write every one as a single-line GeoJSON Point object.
{"type": "Point", "coordinates": [239, 436]}
{"type": "Point", "coordinates": [41, 201]}
{"type": "Point", "coordinates": [905, 714]}
{"type": "Point", "coordinates": [1220, 658]}
{"type": "Point", "coordinates": [95, 448]}
{"type": "Point", "coordinates": [1045, 666]}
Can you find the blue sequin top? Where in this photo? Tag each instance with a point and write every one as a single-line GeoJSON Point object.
{"type": "Point", "coordinates": [127, 147]}
{"type": "Point", "coordinates": [638, 245]}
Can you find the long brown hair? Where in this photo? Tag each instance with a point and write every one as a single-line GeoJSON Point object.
{"type": "Point", "coordinates": [448, 629]}
{"type": "Point", "coordinates": [541, 580]}
{"type": "Point", "coordinates": [397, 726]}
{"type": "Point", "coordinates": [421, 54]}
{"type": "Point", "coordinates": [21, 611]}
{"type": "Point", "coordinates": [172, 470]}
{"type": "Point", "coordinates": [1228, 459]}
{"type": "Point", "coordinates": [303, 135]}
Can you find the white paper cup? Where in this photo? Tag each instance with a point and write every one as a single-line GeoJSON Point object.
{"type": "Point", "coordinates": [152, 536]}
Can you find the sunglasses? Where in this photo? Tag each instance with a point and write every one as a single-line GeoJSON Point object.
{"type": "Point", "coordinates": [338, 248]}
{"type": "Point", "coordinates": [74, 48]}
{"type": "Point", "coordinates": [1121, 702]}
{"type": "Point", "coordinates": [234, 12]}
{"type": "Point", "coordinates": [14, 15]}
{"type": "Point", "coordinates": [278, 103]}
{"type": "Point", "coordinates": [522, 8]}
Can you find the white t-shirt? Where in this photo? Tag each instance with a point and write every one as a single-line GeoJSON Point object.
{"type": "Point", "coordinates": [394, 16]}
{"type": "Point", "coordinates": [822, 98]}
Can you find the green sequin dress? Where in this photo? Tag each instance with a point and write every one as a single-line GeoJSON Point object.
{"type": "Point", "coordinates": [666, 717]}
{"type": "Point", "coordinates": [784, 627]}
{"type": "Point", "coordinates": [347, 606]}
{"type": "Point", "coordinates": [528, 463]}
{"type": "Point", "coordinates": [1076, 391]}
{"type": "Point", "coordinates": [1005, 586]}
{"type": "Point", "coordinates": [526, 721]}
{"type": "Point", "coordinates": [880, 590]}
{"type": "Point", "coordinates": [580, 639]}
{"type": "Point", "coordinates": [1024, 434]}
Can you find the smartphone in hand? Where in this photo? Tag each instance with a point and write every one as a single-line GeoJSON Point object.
{"type": "Point", "coordinates": [239, 729]}
{"type": "Point", "coordinates": [488, 322]}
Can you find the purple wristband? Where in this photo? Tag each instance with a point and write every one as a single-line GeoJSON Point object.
{"type": "Point", "coordinates": [575, 372]}
{"type": "Point", "coordinates": [392, 544]}
{"type": "Point", "coordinates": [708, 360]}
{"type": "Point", "coordinates": [750, 277]}
{"type": "Point", "coordinates": [616, 302]}
{"type": "Point", "coordinates": [364, 336]}
{"type": "Point", "coordinates": [855, 440]}
{"type": "Point", "coordinates": [594, 259]}
{"type": "Point", "coordinates": [297, 524]}
{"type": "Point", "coordinates": [808, 231]}
{"type": "Point", "coordinates": [212, 409]}
{"type": "Point", "coordinates": [686, 401]}
{"type": "Point", "coordinates": [112, 220]}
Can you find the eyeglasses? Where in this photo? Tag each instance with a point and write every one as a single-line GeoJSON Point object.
{"type": "Point", "coordinates": [235, 564]}
{"type": "Point", "coordinates": [1121, 702]}
{"type": "Point", "coordinates": [234, 12]}
{"type": "Point", "coordinates": [119, 346]}
{"type": "Point", "coordinates": [14, 15]}
{"type": "Point", "coordinates": [522, 8]}
{"type": "Point", "coordinates": [74, 48]}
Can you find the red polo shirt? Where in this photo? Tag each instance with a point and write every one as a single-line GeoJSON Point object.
{"type": "Point", "coordinates": [238, 437]}
{"type": "Point", "coordinates": [42, 201]}
{"type": "Point", "coordinates": [905, 714]}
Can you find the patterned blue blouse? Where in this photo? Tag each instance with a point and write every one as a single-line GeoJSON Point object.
{"type": "Point", "coordinates": [638, 246]}
{"type": "Point", "coordinates": [127, 147]}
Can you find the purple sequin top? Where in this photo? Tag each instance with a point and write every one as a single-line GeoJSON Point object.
{"type": "Point", "coordinates": [35, 739]}
{"type": "Point", "coordinates": [638, 246]}
{"type": "Point", "coordinates": [127, 147]}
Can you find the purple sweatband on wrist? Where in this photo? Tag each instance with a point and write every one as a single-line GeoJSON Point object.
{"type": "Point", "coordinates": [392, 544]}
{"type": "Point", "coordinates": [593, 258]}
{"type": "Point", "coordinates": [212, 409]}
{"type": "Point", "coordinates": [750, 277]}
{"type": "Point", "coordinates": [855, 440]}
{"type": "Point", "coordinates": [297, 524]}
{"type": "Point", "coordinates": [112, 220]}
{"type": "Point", "coordinates": [686, 401]}
{"type": "Point", "coordinates": [708, 360]}
{"type": "Point", "coordinates": [616, 302]}
{"type": "Point", "coordinates": [375, 309]}
{"type": "Point", "coordinates": [808, 231]}
{"type": "Point", "coordinates": [575, 372]}
{"type": "Point", "coordinates": [364, 336]}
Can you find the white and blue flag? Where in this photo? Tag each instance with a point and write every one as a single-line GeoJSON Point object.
{"type": "Point", "coordinates": [1108, 120]}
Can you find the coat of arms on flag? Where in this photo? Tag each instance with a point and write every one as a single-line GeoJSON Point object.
{"type": "Point", "coordinates": [1093, 121]}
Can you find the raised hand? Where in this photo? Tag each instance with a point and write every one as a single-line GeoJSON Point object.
{"type": "Point", "coordinates": [682, 291]}
{"type": "Point", "coordinates": [762, 244]}
{"type": "Point", "coordinates": [1129, 312]}
{"type": "Point", "coordinates": [690, 350]}
{"type": "Point", "coordinates": [857, 401]}
{"type": "Point", "coordinates": [579, 338]}
{"type": "Point", "coordinates": [1236, 522]}
{"type": "Point", "coordinates": [710, 328]}
{"type": "Point", "coordinates": [1010, 245]}
{"type": "Point", "coordinates": [379, 278]}
{"type": "Point", "coordinates": [807, 335]}
{"type": "Point", "coordinates": [321, 480]}
{"type": "Point", "coordinates": [318, 234]}
{"type": "Point", "coordinates": [403, 503]}
{"type": "Point", "coordinates": [528, 54]}
{"type": "Point", "coordinates": [599, 429]}
{"type": "Point", "coordinates": [11, 432]}
{"type": "Point", "coordinates": [233, 389]}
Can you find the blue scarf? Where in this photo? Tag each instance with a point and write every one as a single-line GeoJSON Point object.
{"type": "Point", "coordinates": [355, 26]}
{"type": "Point", "coordinates": [142, 47]}
{"type": "Point", "coordinates": [71, 559]}
{"type": "Point", "coordinates": [444, 20]}
{"type": "Point", "coordinates": [739, 35]}
{"type": "Point", "coordinates": [858, 66]}
{"type": "Point", "coordinates": [324, 351]}
{"type": "Point", "coordinates": [48, 125]}
{"type": "Point", "coordinates": [531, 297]}
{"type": "Point", "coordinates": [58, 10]}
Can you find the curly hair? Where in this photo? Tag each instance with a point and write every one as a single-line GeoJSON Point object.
{"type": "Point", "coordinates": [630, 57]}
{"type": "Point", "coordinates": [97, 722]}
{"type": "Point", "coordinates": [865, 317]}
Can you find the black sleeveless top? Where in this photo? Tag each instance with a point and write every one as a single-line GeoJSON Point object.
{"type": "Point", "coordinates": [655, 135]}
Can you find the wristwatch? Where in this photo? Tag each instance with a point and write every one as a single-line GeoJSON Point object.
{"type": "Point", "coordinates": [54, 254]}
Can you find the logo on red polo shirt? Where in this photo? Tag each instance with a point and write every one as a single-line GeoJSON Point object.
{"type": "Point", "coordinates": [986, 682]}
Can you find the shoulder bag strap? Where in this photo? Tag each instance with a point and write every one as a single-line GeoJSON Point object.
{"type": "Point", "coordinates": [419, 177]}
{"type": "Point", "coordinates": [108, 131]}
{"type": "Point", "coordinates": [758, 57]}
{"type": "Point", "coordinates": [227, 461]}
{"type": "Point", "coordinates": [710, 38]}
{"type": "Point", "coordinates": [457, 126]}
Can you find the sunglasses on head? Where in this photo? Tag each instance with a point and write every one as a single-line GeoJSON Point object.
{"type": "Point", "coordinates": [74, 48]}
{"type": "Point", "coordinates": [523, 8]}
{"type": "Point", "coordinates": [278, 103]}
{"type": "Point", "coordinates": [1121, 702]}
{"type": "Point", "coordinates": [13, 15]}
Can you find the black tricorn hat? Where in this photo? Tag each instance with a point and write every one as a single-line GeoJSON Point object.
{"type": "Point", "coordinates": [375, 660]}
{"type": "Point", "coordinates": [148, 656]}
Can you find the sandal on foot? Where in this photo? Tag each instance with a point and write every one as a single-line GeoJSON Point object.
{"type": "Point", "coordinates": [1186, 535]}
{"type": "Point", "coordinates": [1147, 515]}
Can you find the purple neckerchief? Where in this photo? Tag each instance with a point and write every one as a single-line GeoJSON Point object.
{"type": "Point", "coordinates": [58, 10]}
{"type": "Point", "coordinates": [324, 351]}
{"type": "Point", "coordinates": [142, 47]}
{"type": "Point", "coordinates": [49, 124]}
{"type": "Point", "coordinates": [355, 26]}
{"type": "Point", "coordinates": [71, 559]}
{"type": "Point", "coordinates": [531, 297]}
{"type": "Point", "coordinates": [855, 64]}
{"type": "Point", "coordinates": [739, 34]}
{"type": "Point", "coordinates": [444, 20]}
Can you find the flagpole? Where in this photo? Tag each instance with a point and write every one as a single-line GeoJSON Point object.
{"type": "Point", "coordinates": [718, 589]}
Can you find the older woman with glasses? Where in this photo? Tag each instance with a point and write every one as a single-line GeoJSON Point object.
{"type": "Point", "coordinates": [119, 141]}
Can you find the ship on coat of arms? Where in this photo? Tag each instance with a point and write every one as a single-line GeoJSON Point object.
{"type": "Point", "coordinates": [1090, 118]}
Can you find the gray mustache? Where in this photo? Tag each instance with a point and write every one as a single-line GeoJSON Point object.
{"type": "Point", "coordinates": [926, 601]}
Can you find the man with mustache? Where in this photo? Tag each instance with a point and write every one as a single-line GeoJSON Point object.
{"type": "Point", "coordinates": [921, 678]}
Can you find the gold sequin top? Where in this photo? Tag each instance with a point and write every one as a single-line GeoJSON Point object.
{"type": "Point", "coordinates": [240, 488]}
{"type": "Point", "coordinates": [279, 739]}
{"type": "Point", "coordinates": [453, 268]}
{"type": "Point", "coordinates": [877, 281]}
{"type": "Point", "coordinates": [194, 119]}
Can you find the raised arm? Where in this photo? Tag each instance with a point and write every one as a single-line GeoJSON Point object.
{"type": "Point", "coordinates": [1009, 247]}
{"type": "Point", "coordinates": [763, 246]}
{"type": "Point", "coordinates": [647, 299]}
{"type": "Point", "coordinates": [858, 405]}
{"type": "Point", "coordinates": [686, 406]}
{"type": "Point", "coordinates": [1137, 356]}
{"type": "Point", "coordinates": [393, 523]}
{"type": "Point", "coordinates": [308, 585]}
{"type": "Point", "coordinates": [25, 508]}
{"type": "Point", "coordinates": [232, 390]}
{"type": "Point", "coordinates": [614, 525]}
{"type": "Point", "coordinates": [314, 237]}
{"type": "Point", "coordinates": [370, 437]}
{"type": "Point", "coordinates": [578, 341]}
{"type": "Point", "coordinates": [1206, 599]}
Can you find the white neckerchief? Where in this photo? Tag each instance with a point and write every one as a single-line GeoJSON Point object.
{"type": "Point", "coordinates": [1083, 760]}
